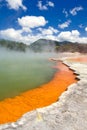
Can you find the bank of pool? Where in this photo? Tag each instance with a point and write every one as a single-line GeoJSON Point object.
{"type": "Point", "coordinates": [12, 109]}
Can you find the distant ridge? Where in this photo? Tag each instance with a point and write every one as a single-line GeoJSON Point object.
{"type": "Point", "coordinates": [12, 45]}
{"type": "Point", "coordinates": [45, 45]}
{"type": "Point", "coordinates": [65, 46]}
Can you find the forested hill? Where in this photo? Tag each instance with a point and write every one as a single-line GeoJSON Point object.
{"type": "Point", "coordinates": [12, 45]}
{"type": "Point", "coordinates": [44, 45]}
{"type": "Point", "coordinates": [50, 45]}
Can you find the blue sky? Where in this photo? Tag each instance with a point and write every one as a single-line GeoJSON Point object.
{"type": "Point", "coordinates": [29, 20]}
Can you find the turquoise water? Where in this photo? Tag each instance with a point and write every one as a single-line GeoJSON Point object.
{"type": "Point", "coordinates": [20, 72]}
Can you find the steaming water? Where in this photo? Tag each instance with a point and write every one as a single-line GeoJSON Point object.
{"type": "Point", "coordinates": [20, 72]}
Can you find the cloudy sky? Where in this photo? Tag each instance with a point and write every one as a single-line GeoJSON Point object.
{"type": "Point", "coordinates": [30, 20]}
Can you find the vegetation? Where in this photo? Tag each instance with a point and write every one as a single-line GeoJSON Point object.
{"type": "Point", "coordinates": [49, 45]}
{"type": "Point", "coordinates": [43, 45]}
{"type": "Point", "coordinates": [13, 45]}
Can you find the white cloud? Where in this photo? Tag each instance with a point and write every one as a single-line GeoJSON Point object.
{"type": "Point", "coordinates": [16, 35]}
{"type": "Point", "coordinates": [10, 34]}
{"type": "Point", "coordinates": [73, 36]}
{"type": "Point", "coordinates": [42, 7]}
{"type": "Point", "coordinates": [25, 34]}
{"type": "Point", "coordinates": [49, 31]}
{"type": "Point", "coordinates": [15, 4]}
{"type": "Point", "coordinates": [45, 6]}
{"type": "Point", "coordinates": [64, 36]}
{"type": "Point", "coordinates": [26, 29]}
{"type": "Point", "coordinates": [32, 21]}
{"type": "Point", "coordinates": [75, 33]}
{"type": "Point", "coordinates": [75, 10]}
{"type": "Point", "coordinates": [86, 29]}
{"type": "Point", "coordinates": [66, 13]}
{"type": "Point", "coordinates": [65, 24]}
{"type": "Point", "coordinates": [49, 3]}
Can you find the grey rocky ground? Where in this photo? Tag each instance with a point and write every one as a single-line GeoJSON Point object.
{"type": "Point", "coordinates": [69, 113]}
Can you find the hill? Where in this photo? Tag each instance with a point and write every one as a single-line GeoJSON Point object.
{"type": "Point", "coordinates": [12, 45]}
{"type": "Point", "coordinates": [50, 45]}
{"type": "Point", "coordinates": [44, 45]}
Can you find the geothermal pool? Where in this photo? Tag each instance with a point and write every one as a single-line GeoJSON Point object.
{"type": "Point", "coordinates": [20, 72]}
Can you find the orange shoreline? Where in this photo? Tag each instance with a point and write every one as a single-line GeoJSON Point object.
{"type": "Point", "coordinates": [12, 109]}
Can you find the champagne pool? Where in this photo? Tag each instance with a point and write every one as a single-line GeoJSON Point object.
{"type": "Point", "coordinates": [20, 72]}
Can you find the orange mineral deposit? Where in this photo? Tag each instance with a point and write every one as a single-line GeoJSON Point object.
{"type": "Point", "coordinates": [12, 109]}
{"type": "Point", "coordinates": [79, 59]}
